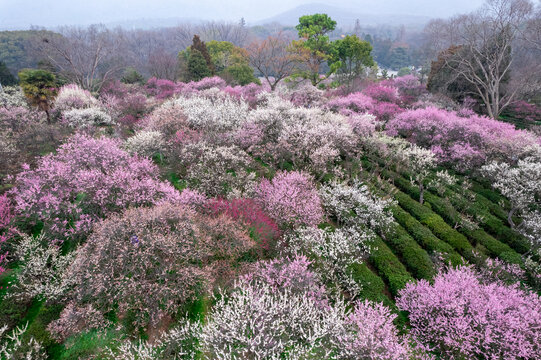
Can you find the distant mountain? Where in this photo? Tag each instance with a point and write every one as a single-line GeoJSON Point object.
{"type": "Point", "coordinates": [370, 12]}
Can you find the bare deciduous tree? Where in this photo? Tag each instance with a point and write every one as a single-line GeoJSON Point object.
{"type": "Point", "coordinates": [487, 39]}
{"type": "Point", "coordinates": [271, 58]}
{"type": "Point", "coordinates": [86, 56]}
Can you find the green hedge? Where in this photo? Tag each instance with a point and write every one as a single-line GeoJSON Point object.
{"type": "Point", "coordinates": [436, 224]}
{"type": "Point", "coordinates": [389, 266]}
{"type": "Point", "coordinates": [494, 247]}
{"type": "Point", "coordinates": [373, 287]}
{"type": "Point", "coordinates": [410, 253]}
{"type": "Point", "coordinates": [425, 237]}
{"type": "Point", "coordinates": [490, 222]}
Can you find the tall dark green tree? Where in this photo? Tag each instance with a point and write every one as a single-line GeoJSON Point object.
{"type": "Point", "coordinates": [6, 77]}
{"type": "Point", "coordinates": [197, 67]}
{"type": "Point", "coordinates": [39, 87]}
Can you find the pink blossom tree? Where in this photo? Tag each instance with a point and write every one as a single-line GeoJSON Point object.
{"type": "Point", "coordinates": [459, 317]}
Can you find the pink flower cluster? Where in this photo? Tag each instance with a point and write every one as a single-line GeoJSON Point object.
{"type": "Point", "coordinates": [262, 227]}
{"type": "Point", "coordinates": [291, 199]}
{"type": "Point", "coordinates": [247, 93]}
{"type": "Point", "coordinates": [164, 89]}
{"type": "Point", "coordinates": [463, 141]}
{"type": "Point", "coordinates": [87, 179]}
{"type": "Point", "coordinates": [459, 317]}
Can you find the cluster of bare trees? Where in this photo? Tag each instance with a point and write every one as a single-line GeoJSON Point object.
{"type": "Point", "coordinates": [498, 51]}
{"type": "Point", "coordinates": [93, 55]}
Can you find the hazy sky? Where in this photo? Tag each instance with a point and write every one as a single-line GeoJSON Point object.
{"type": "Point", "coordinates": [23, 13]}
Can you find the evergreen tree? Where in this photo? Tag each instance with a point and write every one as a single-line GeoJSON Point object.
{"type": "Point", "coordinates": [200, 46]}
{"type": "Point", "coordinates": [6, 77]}
{"type": "Point", "coordinates": [39, 87]}
{"type": "Point", "coordinates": [197, 66]}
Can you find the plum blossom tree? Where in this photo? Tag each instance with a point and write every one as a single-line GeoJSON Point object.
{"type": "Point", "coordinates": [291, 199]}
{"type": "Point", "coordinates": [458, 316]}
{"type": "Point", "coordinates": [521, 184]}
{"type": "Point", "coordinates": [86, 180]}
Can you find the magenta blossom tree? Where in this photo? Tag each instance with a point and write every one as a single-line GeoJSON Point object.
{"type": "Point", "coordinates": [460, 317]}
{"type": "Point", "coordinates": [86, 180]}
{"type": "Point", "coordinates": [291, 199]}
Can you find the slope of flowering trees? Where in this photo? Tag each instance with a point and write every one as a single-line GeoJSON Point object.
{"type": "Point", "coordinates": [202, 221]}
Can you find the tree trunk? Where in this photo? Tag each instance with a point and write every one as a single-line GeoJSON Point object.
{"type": "Point", "coordinates": [421, 193]}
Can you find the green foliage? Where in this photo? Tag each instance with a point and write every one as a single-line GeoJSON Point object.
{"type": "Point", "coordinates": [197, 66]}
{"type": "Point", "coordinates": [399, 58]}
{"type": "Point", "coordinates": [88, 345]}
{"type": "Point", "coordinates": [39, 87]}
{"type": "Point", "coordinates": [131, 76]}
{"type": "Point", "coordinates": [231, 62]}
{"type": "Point", "coordinates": [404, 71]}
{"type": "Point", "coordinates": [315, 29]}
{"type": "Point", "coordinates": [412, 255]}
{"type": "Point", "coordinates": [16, 49]}
{"type": "Point", "coordinates": [389, 266]}
{"type": "Point", "coordinates": [314, 46]}
{"type": "Point", "coordinates": [372, 286]}
{"type": "Point", "coordinates": [350, 56]}
{"type": "Point", "coordinates": [425, 237]}
{"type": "Point", "coordinates": [38, 329]}
{"type": "Point", "coordinates": [6, 77]}
{"type": "Point", "coordinates": [200, 46]}
{"type": "Point", "coordinates": [436, 224]}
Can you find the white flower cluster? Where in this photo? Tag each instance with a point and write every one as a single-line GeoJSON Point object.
{"type": "Point", "coordinates": [12, 346]}
{"type": "Point", "coordinates": [181, 342]}
{"type": "Point", "coordinates": [334, 251]}
{"type": "Point", "coordinates": [217, 170]}
{"type": "Point", "coordinates": [42, 269]}
{"type": "Point", "coordinates": [73, 97]}
{"type": "Point", "coordinates": [261, 323]}
{"type": "Point", "coordinates": [145, 143]}
{"type": "Point", "coordinates": [216, 115]}
{"type": "Point", "coordinates": [355, 206]}
{"type": "Point", "coordinates": [12, 96]}
{"type": "Point", "coordinates": [88, 117]}
{"type": "Point", "coordinates": [521, 184]}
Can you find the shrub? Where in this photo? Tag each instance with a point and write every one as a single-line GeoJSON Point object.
{"type": "Point", "coordinates": [355, 206]}
{"type": "Point", "coordinates": [382, 93]}
{"type": "Point", "coordinates": [145, 143]}
{"type": "Point", "coordinates": [12, 96]}
{"type": "Point", "coordinates": [289, 274]}
{"type": "Point", "coordinates": [41, 270]}
{"type": "Point", "coordinates": [216, 170]}
{"type": "Point", "coordinates": [214, 117]}
{"type": "Point", "coordinates": [389, 266]}
{"type": "Point", "coordinates": [458, 316]}
{"type": "Point", "coordinates": [168, 119]}
{"type": "Point", "coordinates": [150, 261]}
{"type": "Point", "coordinates": [262, 228]}
{"type": "Point", "coordinates": [6, 215]}
{"type": "Point", "coordinates": [291, 199]}
{"type": "Point", "coordinates": [355, 102]}
{"type": "Point", "coordinates": [85, 118]}
{"type": "Point", "coordinates": [333, 252]}
{"type": "Point", "coordinates": [87, 179]}
{"type": "Point", "coordinates": [73, 97]}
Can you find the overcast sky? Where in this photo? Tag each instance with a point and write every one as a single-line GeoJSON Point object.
{"type": "Point", "coordinates": [23, 13]}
